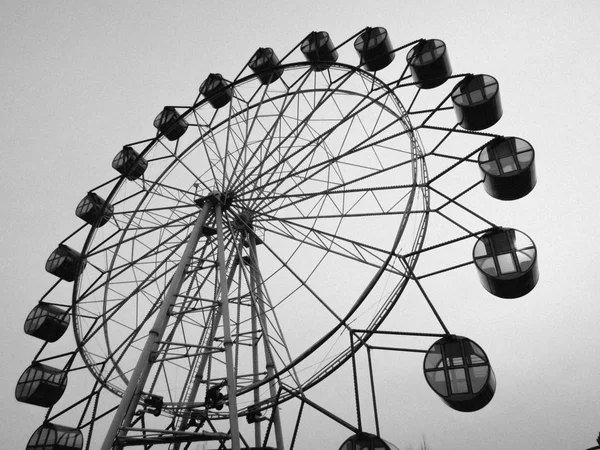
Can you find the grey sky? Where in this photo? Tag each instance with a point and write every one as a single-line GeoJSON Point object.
{"type": "Point", "coordinates": [80, 79]}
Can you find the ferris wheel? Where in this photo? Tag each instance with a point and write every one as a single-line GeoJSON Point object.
{"type": "Point", "coordinates": [261, 238]}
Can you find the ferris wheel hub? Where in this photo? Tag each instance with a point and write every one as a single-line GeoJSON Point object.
{"type": "Point", "coordinates": [225, 199]}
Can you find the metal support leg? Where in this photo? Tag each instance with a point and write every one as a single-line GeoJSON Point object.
{"type": "Point", "coordinates": [131, 397]}
{"type": "Point", "coordinates": [228, 343]}
{"type": "Point", "coordinates": [199, 377]}
{"type": "Point", "coordinates": [255, 364]}
{"type": "Point", "coordinates": [257, 281]}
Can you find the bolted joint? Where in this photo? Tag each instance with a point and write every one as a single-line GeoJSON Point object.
{"type": "Point", "coordinates": [254, 415]}
{"type": "Point", "coordinates": [197, 420]}
{"type": "Point", "coordinates": [243, 222]}
{"type": "Point", "coordinates": [214, 397]}
{"type": "Point", "coordinates": [154, 404]}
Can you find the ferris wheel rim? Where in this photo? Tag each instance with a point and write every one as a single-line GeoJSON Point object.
{"type": "Point", "coordinates": [156, 140]}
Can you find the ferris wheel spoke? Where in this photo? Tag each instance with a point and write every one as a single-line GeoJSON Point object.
{"type": "Point", "coordinates": [431, 112]}
{"type": "Point", "coordinates": [61, 356]}
{"type": "Point", "coordinates": [303, 283]}
{"type": "Point", "coordinates": [373, 131]}
{"type": "Point", "coordinates": [238, 170]}
{"type": "Point", "coordinates": [130, 215]}
{"type": "Point", "coordinates": [349, 215]}
{"type": "Point", "coordinates": [210, 148]}
{"type": "Point", "coordinates": [152, 276]}
{"type": "Point", "coordinates": [458, 130]}
{"type": "Point", "coordinates": [210, 141]}
{"type": "Point", "coordinates": [461, 206]}
{"type": "Point", "coordinates": [258, 287]}
{"type": "Point", "coordinates": [302, 124]}
{"type": "Point", "coordinates": [141, 288]}
{"type": "Point", "coordinates": [356, 251]}
{"type": "Point", "coordinates": [84, 400]}
{"type": "Point", "coordinates": [173, 193]}
{"type": "Point", "coordinates": [149, 257]}
{"type": "Point", "coordinates": [293, 199]}
{"type": "Point", "coordinates": [302, 196]}
{"type": "Point", "coordinates": [313, 170]}
{"type": "Point", "coordinates": [454, 200]}
{"type": "Point", "coordinates": [142, 232]}
{"type": "Point", "coordinates": [236, 152]}
{"type": "Point", "coordinates": [102, 322]}
{"type": "Point", "coordinates": [287, 167]}
{"type": "Point", "coordinates": [339, 158]}
{"type": "Point", "coordinates": [264, 150]}
{"type": "Point", "coordinates": [356, 196]}
{"type": "Point", "coordinates": [227, 154]}
{"type": "Point", "coordinates": [114, 356]}
{"type": "Point", "coordinates": [354, 113]}
{"type": "Point", "coordinates": [413, 101]}
{"type": "Point", "coordinates": [113, 272]}
{"type": "Point", "coordinates": [327, 94]}
{"type": "Point", "coordinates": [151, 220]}
{"type": "Point", "coordinates": [279, 168]}
{"type": "Point", "coordinates": [264, 309]}
{"type": "Point", "coordinates": [179, 160]}
{"type": "Point", "coordinates": [459, 160]}
{"type": "Point", "coordinates": [340, 187]}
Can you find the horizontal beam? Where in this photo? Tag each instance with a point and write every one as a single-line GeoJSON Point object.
{"type": "Point", "coordinates": [167, 437]}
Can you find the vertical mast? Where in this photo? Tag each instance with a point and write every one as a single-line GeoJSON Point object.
{"type": "Point", "coordinates": [256, 280]}
{"type": "Point", "coordinates": [255, 365]}
{"type": "Point", "coordinates": [228, 343]}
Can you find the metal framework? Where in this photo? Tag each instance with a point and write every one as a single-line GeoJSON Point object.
{"type": "Point", "coordinates": [252, 248]}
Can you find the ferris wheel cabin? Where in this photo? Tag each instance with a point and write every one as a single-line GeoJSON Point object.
{"type": "Point", "coordinates": [94, 210]}
{"type": "Point", "coordinates": [374, 48]}
{"type": "Point", "coordinates": [55, 437]}
{"type": "Point", "coordinates": [217, 91]}
{"type": "Point", "coordinates": [506, 260]}
{"type": "Point", "coordinates": [65, 263]}
{"type": "Point", "coordinates": [129, 163]}
{"type": "Point", "coordinates": [507, 168]}
{"type": "Point", "coordinates": [429, 63]}
{"type": "Point", "coordinates": [170, 123]}
{"type": "Point", "coordinates": [458, 370]}
{"type": "Point", "coordinates": [41, 385]}
{"type": "Point", "coordinates": [265, 64]}
{"type": "Point", "coordinates": [476, 101]}
{"type": "Point", "coordinates": [318, 48]}
{"type": "Point", "coordinates": [47, 322]}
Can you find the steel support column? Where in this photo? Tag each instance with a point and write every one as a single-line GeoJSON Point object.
{"type": "Point", "coordinates": [131, 397]}
{"type": "Point", "coordinates": [227, 342]}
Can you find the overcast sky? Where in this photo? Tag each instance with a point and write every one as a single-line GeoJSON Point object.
{"type": "Point", "coordinates": [81, 78]}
